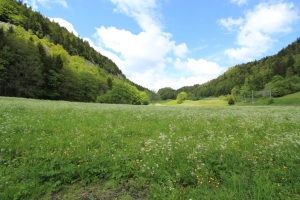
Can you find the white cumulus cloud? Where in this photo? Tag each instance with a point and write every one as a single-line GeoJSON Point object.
{"type": "Point", "coordinates": [140, 52]}
{"type": "Point", "coordinates": [145, 53]}
{"type": "Point", "coordinates": [255, 30]}
{"type": "Point", "coordinates": [199, 67]}
{"type": "Point", "coordinates": [154, 80]}
{"type": "Point", "coordinates": [65, 24]}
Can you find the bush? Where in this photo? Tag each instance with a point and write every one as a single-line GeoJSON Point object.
{"type": "Point", "coordinates": [181, 97]}
{"type": "Point", "coordinates": [271, 101]}
{"type": "Point", "coordinates": [231, 100]}
{"type": "Point", "coordinates": [105, 98]}
{"type": "Point", "coordinates": [278, 92]}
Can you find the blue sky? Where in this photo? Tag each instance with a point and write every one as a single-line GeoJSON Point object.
{"type": "Point", "coordinates": [175, 43]}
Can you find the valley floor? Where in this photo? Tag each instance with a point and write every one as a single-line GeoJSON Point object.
{"type": "Point", "coordinates": [65, 150]}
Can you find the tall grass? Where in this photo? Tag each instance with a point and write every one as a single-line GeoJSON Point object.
{"type": "Point", "coordinates": [167, 152]}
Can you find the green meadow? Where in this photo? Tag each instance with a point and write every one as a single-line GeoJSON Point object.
{"type": "Point", "coordinates": [65, 150]}
{"type": "Point", "coordinates": [291, 99]}
{"type": "Point", "coordinates": [288, 100]}
{"type": "Point", "coordinates": [211, 101]}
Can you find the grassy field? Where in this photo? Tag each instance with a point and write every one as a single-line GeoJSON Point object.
{"type": "Point", "coordinates": [288, 100]}
{"type": "Point", "coordinates": [212, 101]}
{"type": "Point", "coordinates": [63, 150]}
{"type": "Point", "coordinates": [291, 99]}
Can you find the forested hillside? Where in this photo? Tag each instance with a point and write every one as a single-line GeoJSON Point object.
{"type": "Point", "coordinates": [279, 73]}
{"type": "Point", "coordinates": [40, 59]}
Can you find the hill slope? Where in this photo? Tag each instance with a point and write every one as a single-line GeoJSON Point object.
{"type": "Point", "coordinates": [40, 59]}
{"type": "Point", "coordinates": [280, 72]}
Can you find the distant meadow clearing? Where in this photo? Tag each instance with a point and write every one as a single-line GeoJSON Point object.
{"type": "Point", "coordinates": [64, 150]}
{"type": "Point", "coordinates": [211, 102]}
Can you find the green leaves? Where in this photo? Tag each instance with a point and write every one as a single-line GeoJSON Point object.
{"type": "Point", "coordinates": [181, 97]}
{"type": "Point", "coordinates": [231, 100]}
{"type": "Point", "coordinates": [24, 69]}
{"type": "Point", "coordinates": [124, 93]}
{"type": "Point", "coordinates": [167, 93]}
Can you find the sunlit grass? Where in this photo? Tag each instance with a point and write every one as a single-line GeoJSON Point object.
{"type": "Point", "coordinates": [291, 99]}
{"type": "Point", "coordinates": [288, 100]}
{"type": "Point", "coordinates": [203, 102]}
{"type": "Point", "coordinates": [148, 152]}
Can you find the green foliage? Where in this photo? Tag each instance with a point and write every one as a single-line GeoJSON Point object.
{"type": "Point", "coordinates": [278, 92]}
{"type": "Point", "coordinates": [21, 66]}
{"type": "Point", "coordinates": [191, 96]}
{"type": "Point", "coordinates": [144, 98]}
{"type": "Point", "coordinates": [87, 87]}
{"type": "Point", "coordinates": [109, 83]}
{"type": "Point", "coordinates": [281, 86]}
{"type": "Point", "coordinates": [153, 97]}
{"type": "Point", "coordinates": [9, 12]}
{"type": "Point", "coordinates": [231, 100]}
{"type": "Point", "coordinates": [245, 89]}
{"type": "Point", "coordinates": [105, 98]}
{"type": "Point", "coordinates": [166, 93]}
{"type": "Point", "coordinates": [124, 93]}
{"type": "Point", "coordinates": [181, 97]}
{"type": "Point", "coordinates": [271, 101]}
{"type": "Point", "coordinates": [68, 89]}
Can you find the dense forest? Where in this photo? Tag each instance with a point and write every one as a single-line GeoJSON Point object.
{"type": "Point", "coordinates": [40, 59]}
{"type": "Point", "coordinates": [279, 74]}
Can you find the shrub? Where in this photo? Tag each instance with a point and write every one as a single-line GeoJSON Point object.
{"type": "Point", "coordinates": [278, 92]}
{"type": "Point", "coordinates": [271, 100]}
{"type": "Point", "coordinates": [181, 97]}
{"type": "Point", "coordinates": [231, 100]}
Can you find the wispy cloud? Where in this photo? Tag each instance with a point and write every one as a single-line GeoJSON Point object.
{"type": "Point", "coordinates": [255, 30]}
{"type": "Point", "coordinates": [200, 48]}
{"type": "Point", "coordinates": [45, 3]}
{"type": "Point", "coordinates": [239, 2]}
{"type": "Point", "coordinates": [144, 12]}
{"type": "Point", "coordinates": [231, 24]}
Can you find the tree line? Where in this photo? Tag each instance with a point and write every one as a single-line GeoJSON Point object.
{"type": "Point", "coordinates": [281, 72]}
